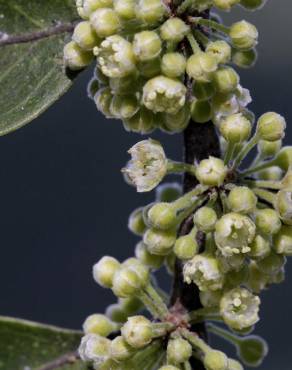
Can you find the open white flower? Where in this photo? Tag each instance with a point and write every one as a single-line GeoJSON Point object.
{"type": "Point", "coordinates": [148, 165]}
{"type": "Point", "coordinates": [239, 308]}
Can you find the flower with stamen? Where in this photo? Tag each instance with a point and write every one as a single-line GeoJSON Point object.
{"type": "Point", "coordinates": [211, 171]}
{"type": "Point", "coordinates": [283, 205]}
{"type": "Point", "coordinates": [148, 165]}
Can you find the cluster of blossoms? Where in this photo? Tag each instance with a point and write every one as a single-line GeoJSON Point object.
{"type": "Point", "coordinates": [161, 64]}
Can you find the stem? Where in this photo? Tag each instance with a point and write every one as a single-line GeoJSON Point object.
{"type": "Point", "coordinates": [227, 335]}
{"type": "Point", "coordinates": [195, 340]}
{"type": "Point", "coordinates": [203, 314]}
{"type": "Point", "coordinates": [248, 147]}
{"type": "Point", "coordinates": [229, 152]}
{"type": "Point", "coordinates": [180, 167]}
{"type": "Point", "coordinates": [203, 39]}
{"type": "Point", "coordinates": [151, 306]}
{"type": "Point", "coordinates": [258, 168]}
{"type": "Point", "coordinates": [265, 195]}
{"type": "Point", "coordinates": [193, 42]}
{"type": "Point", "coordinates": [184, 6]}
{"type": "Point", "coordinates": [155, 297]}
{"type": "Point", "coordinates": [274, 185]}
{"type": "Point", "coordinates": [211, 24]}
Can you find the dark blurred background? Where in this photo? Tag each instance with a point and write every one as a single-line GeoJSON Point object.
{"type": "Point", "coordinates": [64, 203]}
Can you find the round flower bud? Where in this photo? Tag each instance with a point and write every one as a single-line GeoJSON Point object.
{"type": "Point", "coordinates": [272, 264]}
{"type": "Point", "coordinates": [225, 5]}
{"type": "Point", "coordinates": [211, 171]}
{"type": "Point", "coordinates": [159, 242]}
{"type": "Point", "coordinates": [252, 350]}
{"type": "Point", "coordinates": [282, 241]}
{"type": "Point", "coordinates": [84, 36]}
{"type": "Point", "coordinates": [234, 365]}
{"type": "Point", "coordinates": [174, 29]}
{"type": "Point", "coordinates": [244, 58]}
{"type": "Point", "coordinates": [252, 4]}
{"type": "Point", "coordinates": [151, 260]}
{"type": "Point", "coordinates": [239, 308]}
{"type": "Point", "coordinates": [203, 91]}
{"type": "Point", "coordinates": [137, 331]}
{"type": "Point", "coordinates": [204, 271]}
{"type": "Point", "coordinates": [260, 247]}
{"type": "Point", "coordinates": [76, 58]}
{"type": "Point", "coordinates": [269, 148]}
{"type": "Point", "coordinates": [162, 94]}
{"type": "Point", "coordinates": [168, 192]}
{"type": "Point", "coordinates": [244, 35]}
{"type": "Point", "coordinates": [178, 351]}
{"type": "Point", "coordinates": [142, 122]}
{"type": "Point", "coordinates": [90, 6]}
{"type": "Point", "coordinates": [271, 126]}
{"type": "Point", "coordinates": [125, 8]}
{"type": "Point", "coordinates": [186, 247]}
{"type": "Point", "coordinates": [116, 313]}
{"type": "Point", "coordinates": [136, 222]}
{"type": "Point", "coordinates": [104, 271]}
{"type": "Point", "coordinates": [235, 128]}
{"type": "Point", "coordinates": [286, 181]}
{"type": "Point", "coordinates": [201, 111]}
{"type": "Point", "coordinates": [124, 107]}
{"type": "Point", "coordinates": [201, 66]}
{"type": "Point", "coordinates": [150, 11]}
{"type": "Point", "coordinates": [215, 360]}
{"type": "Point", "coordinates": [120, 350]}
{"type": "Point", "coordinates": [162, 216]}
{"type": "Point", "coordinates": [225, 80]}
{"type": "Point", "coordinates": [257, 280]}
{"type": "Point", "coordinates": [127, 283]}
{"type": "Point", "coordinates": [284, 158]}
{"type": "Point", "coordinates": [272, 173]}
{"type": "Point", "coordinates": [94, 348]}
{"type": "Point", "coordinates": [220, 50]}
{"type": "Point", "coordinates": [267, 221]}
{"type": "Point", "coordinates": [234, 232]}
{"type": "Point", "coordinates": [98, 324]}
{"type": "Point", "coordinates": [115, 57]}
{"type": "Point", "coordinates": [283, 205]}
{"type": "Point", "coordinates": [173, 64]}
{"type": "Point", "coordinates": [205, 219]}
{"type": "Point", "coordinates": [105, 22]}
{"type": "Point", "coordinates": [241, 199]}
{"type": "Point", "coordinates": [148, 165]}
{"type": "Point", "coordinates": [103, 99]}
{"type": "Point", "coordinates": [146, 45]}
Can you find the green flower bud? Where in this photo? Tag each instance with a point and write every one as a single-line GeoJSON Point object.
{"type": "Point", "coordinates": [98, 324]}
{"type": "Point", "coordinates": [286, 181]}
{"type": "Point", "coordinates": [178, 351]}
{"type": "Point", "coordinates": [94, 348]}
{"type": "Point", "coordinates": [204, 271]}
{"type": "Point", "coordinates": [116, 313]}
{"type": "Point", "coordinates": [211, 171]}
{"type": "Point", "coordinates": [103, 99]}
{"type": "Point", "coordinates": [257, 280]}
{"type": "Point", "coordinates": [234, 365]}
{"type": "Point", "coordinates": [220, 50]}
{"type": "Point", "coordinates": [162, 94]}
{"type": "Point", "coordinates": [271, 126]}
{"type": "Point", "coordinates": [201, 66]}
{"type": "Point", "coordinates": [120, 350]}
{"type": "Point", "coordinates": [151, 260]}
{"type": "Point", "coordinates": [125, 8]}
{"type": "Point", "coordinates": [136, 222]}
{"type": "Point", "coordinates": [137, 331]}
{"type": "Point", "coordinates": [90, 6]}
{"type": "Point", "coordinates": [252, 350]}
{"type": "Point", "coordinates": [127, 283]}
{"type": "Point", "coordinates": [125, 106]}
{"type": "Point", "coordinates": [174, 29]}
{"type": "Point", "coordinates": [215, 360]}
{"type": "Point", "coordinates": [205, 219]}
{"type": "Point", "coordinates": [260, 247]}
{"type": "Point", "coordinates": [150, 11]}
{"type": "Point", "coordinates": [105, 22]}
{"type": "Point", "coordinates": [139, 268]}
{"type": "Point", "coordinates": [267, 221]}
{"type": "Point", "coordinates": [84, 36]}
{"type": "Point", "coordinates": [253, 4]}
{"type": "Point", "coordinates": [244, 35]}
{"type": "Point", "coordinates": [168, 192]}
{"type": "Point", "coordinates": [76, 58]}
{"type": "Point", "coordinates": [225, 80]}
{"type": "Point", "coordinates": [282, 241]}
{"type": "Point", "coordinates": [244, 58]}
{"type": "Point", "coordinates": [272, 173]}
{"type": "Point", "coordinates": [149, 68]}
{"type": "Point", "coordinates": [173, 64]}
{"type": "Point", "coordinates": [269, 148]}
{"type": "Point", "coordinates": [146, 45]}
{"type": "Point", "coordinates": [284, 158]}
{"type": "Point", "coordinates": [159, 242]}
{"type": "Point", "coordinates": [235, 128]}
{"type": "Point", "coordinates": [239, 308]}
{"type": "Point", "coordinates": [186, 247]}
{"type": "Point", "coordinates": [162, 216]}
{"type": "Point", "coordinates": [272, 264]}
{"type": "Point", "coordinates": [148, 165]}
{"type": "Point", "coordinates": [115, 57]}
{"type": "Point", "coordinates": [104, 271]}
{"type": "Point", "coordinates": [176, 122]}
{"type": "Point", "coordinates": [203, 91]}
{"type": "Point", "coordinates": [130, 305]}
{"type": "Point", "coordinates": [283, 205]}
{"type": "Point", "coordinates": [210, 298]}
{"type": "Point", "coordinates": [225, 5]}
{"type": "Point", "coordinates": [92, 87]}
{"type": "Point", "coordinates": [201, 111]}
{"type": "Point", "coordinates": [242, 200]}
{"type": "Point", "coordinates": [80, 9]}
{"type": "Point", "coordinates": [234, 232]}
{"type": "Point", "coordinates": [142, 122]}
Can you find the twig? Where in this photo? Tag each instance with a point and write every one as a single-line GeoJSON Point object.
{"type": "Point", "coordinates": [67, 359]}
{"type": "Point", "coordinates": [6, 39]}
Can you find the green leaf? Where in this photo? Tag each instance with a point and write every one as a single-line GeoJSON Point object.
{"type": "Point", "coordinates": [32, 76]}
{"type": "Point", "coordinates": [25, 345]}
